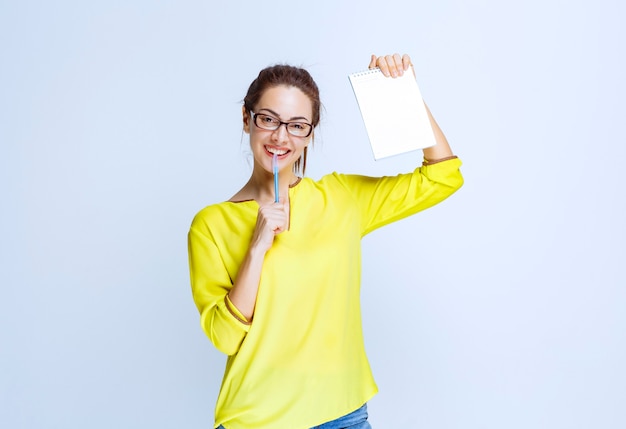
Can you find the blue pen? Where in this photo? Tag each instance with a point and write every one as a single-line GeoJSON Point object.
{"type": "Point", "coordinates": [275, 168]}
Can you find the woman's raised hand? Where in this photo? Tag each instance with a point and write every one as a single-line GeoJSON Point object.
{"type": "Point", "coordinates": [391, 65]}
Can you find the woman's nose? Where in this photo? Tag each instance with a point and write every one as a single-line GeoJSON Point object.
{"type": "Point", "coordinates": [280, 134]}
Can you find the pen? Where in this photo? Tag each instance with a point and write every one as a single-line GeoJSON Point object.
{"type": "Point", "coordinates": [275, 168]}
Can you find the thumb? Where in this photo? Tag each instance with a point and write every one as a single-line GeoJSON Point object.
{"type": "Point", "coordinates": [372, 62]}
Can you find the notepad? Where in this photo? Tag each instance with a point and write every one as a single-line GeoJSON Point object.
{"type": "Point", "coordinates": [393, 111]}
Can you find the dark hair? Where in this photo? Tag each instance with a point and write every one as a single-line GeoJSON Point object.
{"type": "Point", "coordinates": [287, 75]}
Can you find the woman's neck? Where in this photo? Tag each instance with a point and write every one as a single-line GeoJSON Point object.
{"type": "Point", "coordinates": [260, 187]}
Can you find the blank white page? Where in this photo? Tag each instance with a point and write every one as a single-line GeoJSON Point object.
{"type": "Point", "coordinates": [393, 111]}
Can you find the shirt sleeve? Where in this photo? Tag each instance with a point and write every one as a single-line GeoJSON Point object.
{"type": "Point", "coordinates": [382, 200]}
{"type": "Point", "coordinates": [225, 326]}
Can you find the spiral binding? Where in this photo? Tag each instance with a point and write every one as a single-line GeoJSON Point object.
{"type": "Point", "coordinates": [367, 72]}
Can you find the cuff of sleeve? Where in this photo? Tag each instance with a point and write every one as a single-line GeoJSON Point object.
{"type": "Point", "coordinates": [234, 311]}
{"type": "Point", "coordinates": [445, 171]}
{"type": "Point", "coordinates": [437, 161]}
{"type": "Point", "coordinates": [225, 331]}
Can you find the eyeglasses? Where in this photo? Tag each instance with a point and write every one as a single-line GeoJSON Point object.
{"type": "Point", "coordinates": [270, 123]}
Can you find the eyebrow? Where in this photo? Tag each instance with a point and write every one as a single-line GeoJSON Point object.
{"type": "Point", "coordinates": [278, 115]}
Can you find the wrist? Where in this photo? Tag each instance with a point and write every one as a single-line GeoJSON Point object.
{"type": "Point", "coordinates": [257, 250]}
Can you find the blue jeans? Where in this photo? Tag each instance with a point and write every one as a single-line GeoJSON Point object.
{"type": "Point", "coordinates": [355, 420]}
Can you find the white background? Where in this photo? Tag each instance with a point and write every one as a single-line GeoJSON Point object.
{"type": "Point", "coordinates": [502, 307]}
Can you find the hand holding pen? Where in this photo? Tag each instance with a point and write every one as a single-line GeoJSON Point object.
{"type": "Point", "coordinates": [272, 218]}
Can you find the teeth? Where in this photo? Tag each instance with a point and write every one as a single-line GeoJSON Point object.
{"type": "Point", "coordinates": [276, 151]}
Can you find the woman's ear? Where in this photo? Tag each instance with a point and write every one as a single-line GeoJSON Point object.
{"type": "Point", "coordinates": [246, 119]}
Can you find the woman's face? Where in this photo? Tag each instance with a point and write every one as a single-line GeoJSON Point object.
{"type": "Point", "coordinates": [287, 104]}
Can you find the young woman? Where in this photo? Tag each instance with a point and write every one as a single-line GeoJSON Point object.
{"type": "Point", "coordinates": [277, 283]}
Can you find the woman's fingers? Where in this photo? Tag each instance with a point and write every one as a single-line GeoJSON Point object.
{"type": "Point", "coordinates": [393, 65]}
{"type": "Point", "coordinates": [273, 217]}
{"type": "Point", "coordinates": [406, 61]}
{"type": "Point", "coordinates": [394, 62]}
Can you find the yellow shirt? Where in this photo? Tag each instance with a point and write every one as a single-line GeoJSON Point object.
{"type": "Point", "coordinates": [301, 361]}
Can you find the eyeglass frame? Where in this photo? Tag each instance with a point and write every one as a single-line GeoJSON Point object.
{"type": "Point", "coordinates": [281, 123]}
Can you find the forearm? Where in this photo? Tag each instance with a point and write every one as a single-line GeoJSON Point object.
{"type": "Point", "coordinates": [244, 291]}
{"type": "Point", "coordinates": [442, 149]}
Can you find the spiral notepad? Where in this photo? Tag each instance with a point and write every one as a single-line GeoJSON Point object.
{"type": "Point", "coordinates": [393, 111]}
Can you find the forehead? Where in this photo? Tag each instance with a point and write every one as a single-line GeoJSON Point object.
{"type": "Point", "coordinates": [287, 101]}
